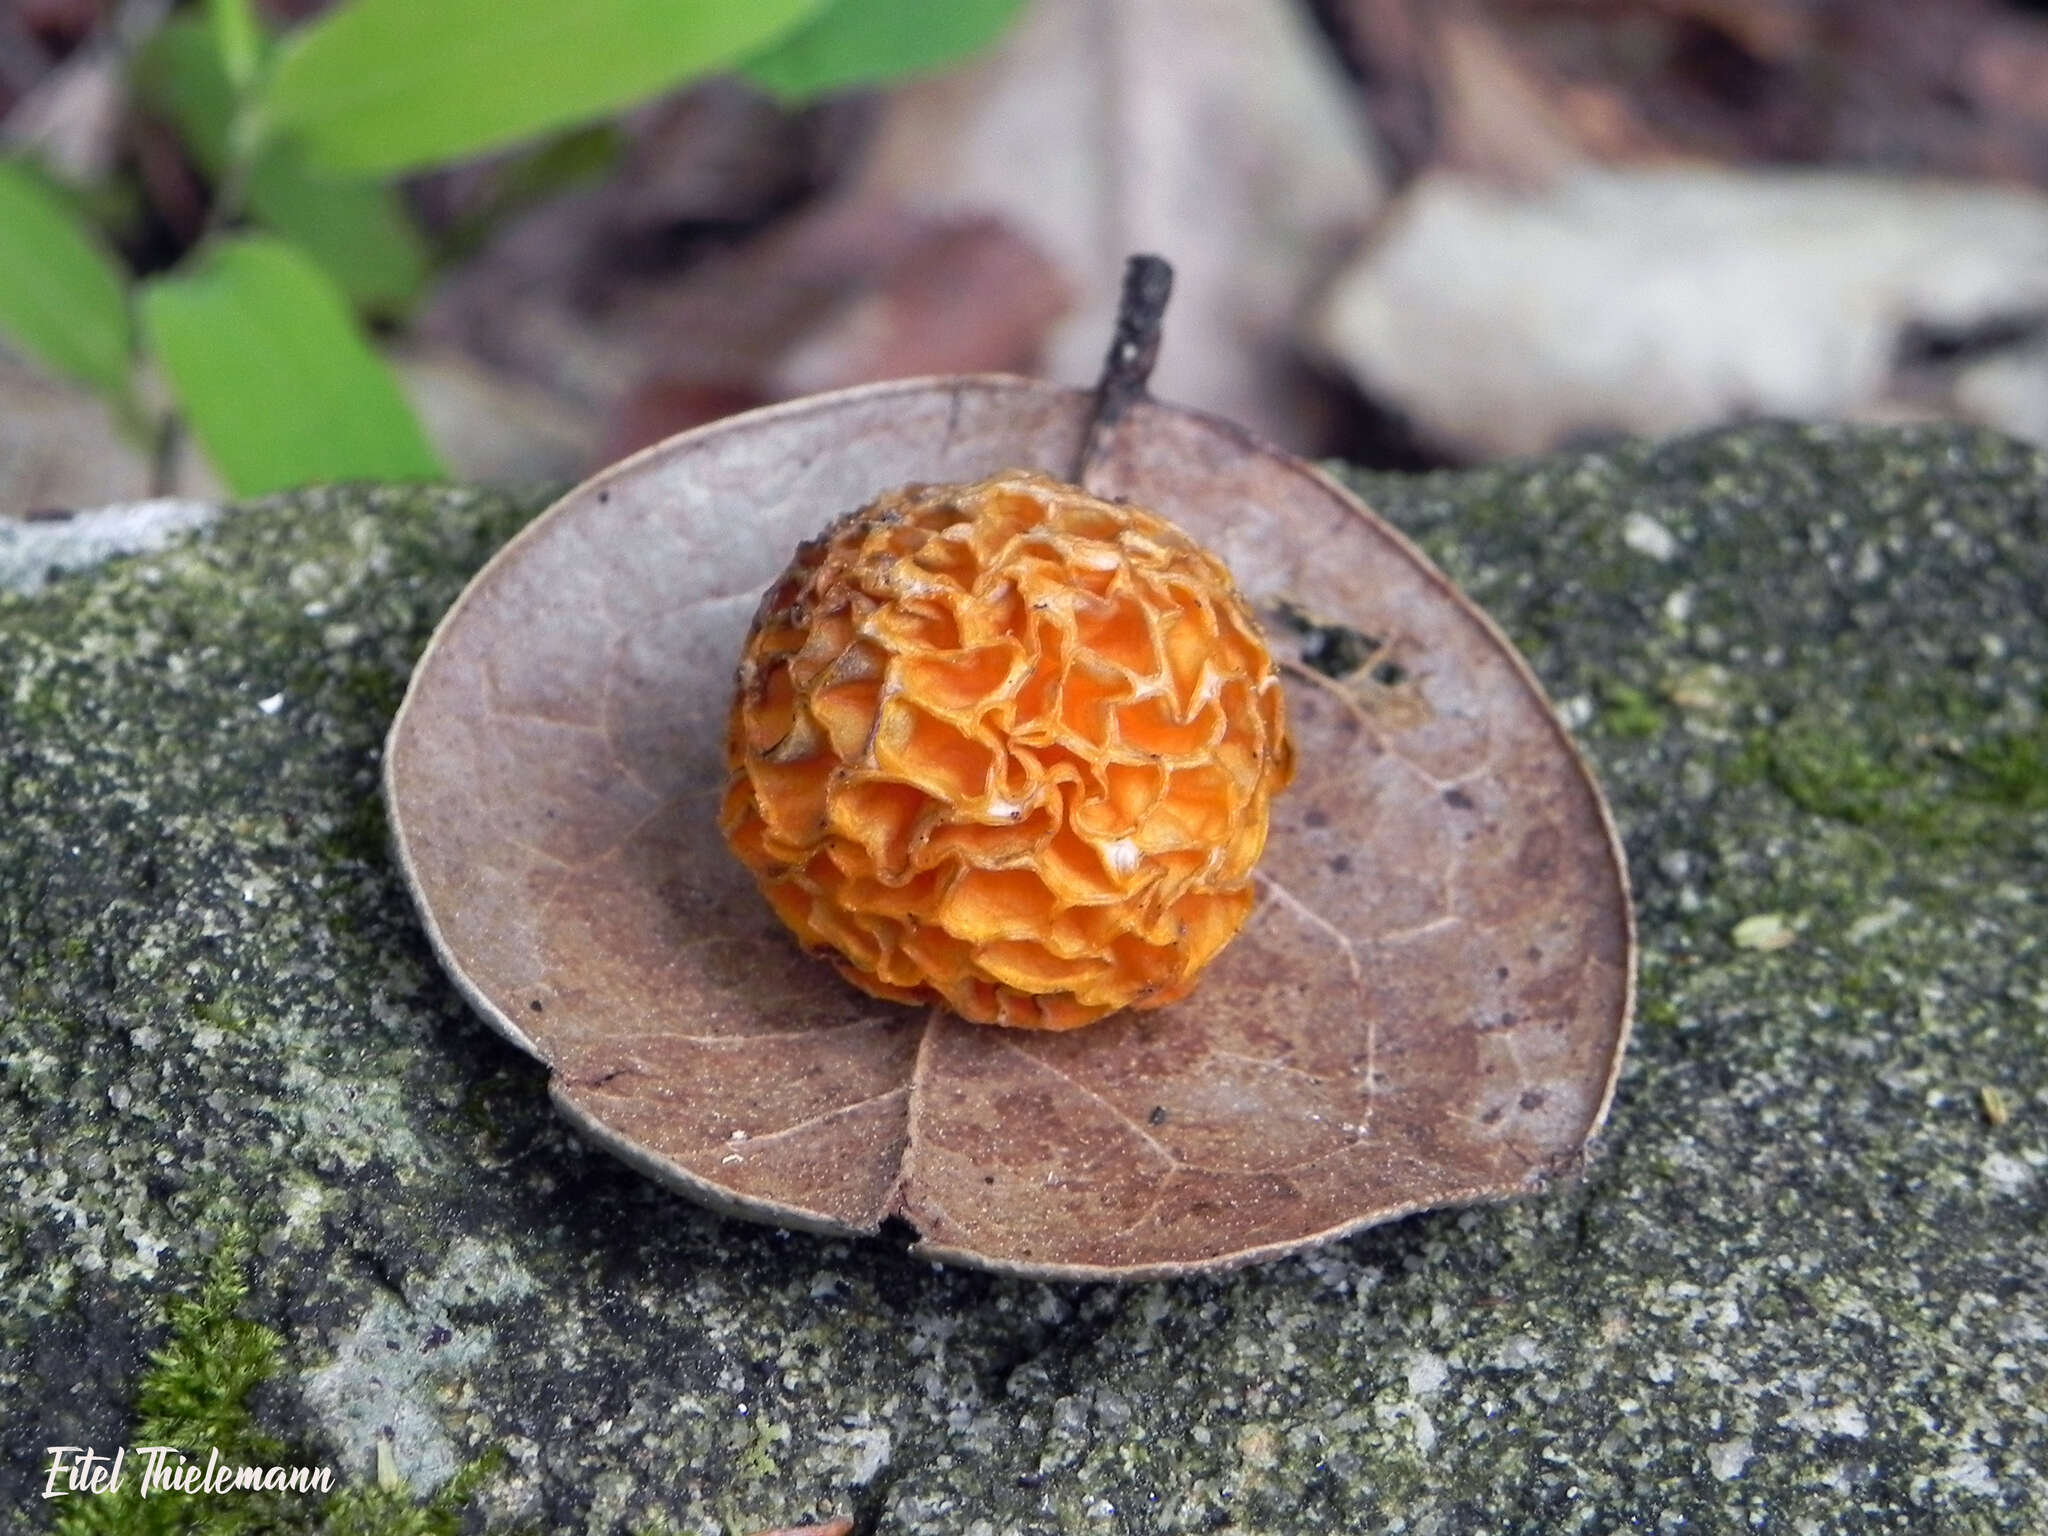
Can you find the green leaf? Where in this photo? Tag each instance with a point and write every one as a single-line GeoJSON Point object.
{"type": "Point", "coordinates": [358, 231]}
{"type": "Point", "coordinates": [865, 42]}
{"type": "Point", "coordinates": [273, 375]}
{"type": "Point", "coordinates": [237, 37]}
{"type": "Point", "coordinates": [63, 300]}
{"type": "Point", "coordinates": [376, 86]}
{"type": "Point", "coordinates": [178, 73]}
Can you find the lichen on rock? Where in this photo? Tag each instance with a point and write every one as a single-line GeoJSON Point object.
{"type": "Point", "coordinates": [1805, 1275]}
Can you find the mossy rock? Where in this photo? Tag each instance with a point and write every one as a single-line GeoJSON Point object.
{"type": "Point", "coordinates": [1804, 1281]}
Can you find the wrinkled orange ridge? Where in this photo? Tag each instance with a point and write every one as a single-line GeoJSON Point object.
{"type": "Point", "coordinates": [1009, 748]}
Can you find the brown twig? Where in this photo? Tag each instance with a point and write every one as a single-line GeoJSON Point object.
{"type": "Point", "coordinates": [1133, 350]}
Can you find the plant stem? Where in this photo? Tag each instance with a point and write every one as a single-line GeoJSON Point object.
{"type": "Point", "coordinates": [1133, 350]}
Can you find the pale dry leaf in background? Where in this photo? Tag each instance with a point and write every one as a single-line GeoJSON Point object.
{"type": "Point", "coordinates": [1217, 131]}
{"type": "Point", "coordinates": [490, 426]}
{"type": "Point", "coordinates": [1495, 119]}
{"type": "Point", "coordinates": [60, 447]}
{"type": "Point", "coordinates": [1653, 301]}
{"type": "Point", "coordinates": [71, 121]}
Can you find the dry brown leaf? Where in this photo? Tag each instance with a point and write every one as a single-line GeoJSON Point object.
{"type": "Point", "coordinates": [1427, 1006]}
{"type": "Point", "coordinates": [1459, 85]}
{"type": "Point", "coordinates": [1773, 30]}
{"type": "Point", "coordinates": [967, 296]}
{"type": "Point", "coordinates": [1388, 45]}
{"type": "Point", "coordinates": [2005, 69]}
{"type": "Point", "coordinates": [849, 292]}
{"type": "Point", "coordinates": [1890, 85]}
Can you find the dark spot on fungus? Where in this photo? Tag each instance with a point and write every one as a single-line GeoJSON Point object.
{"type": "Point", "coordinates": [1457, 800]}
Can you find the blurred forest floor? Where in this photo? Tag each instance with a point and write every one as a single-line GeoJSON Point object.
{"type": "Point", "coordinates": [1408, 232]}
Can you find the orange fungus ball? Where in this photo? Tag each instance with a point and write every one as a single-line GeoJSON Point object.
{"type": "Point", "coordinates": [1008, 748]}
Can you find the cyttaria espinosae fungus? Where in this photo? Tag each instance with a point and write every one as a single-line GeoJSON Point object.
{"type": "Point", "coordinates": [1426, 1004]}
{"type": "Point", "coordinates": [1008, 748]}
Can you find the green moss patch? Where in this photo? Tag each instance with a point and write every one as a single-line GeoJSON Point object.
{"type": "Point", "coordinates": [194, 1396]}
{"type": "Point", "coordinates": [1930, 789]}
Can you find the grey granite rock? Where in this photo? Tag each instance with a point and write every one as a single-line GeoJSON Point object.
{"type": "Point", "coordinates": [32, 552]}
{"type": "Point", "coordinates": [1802, 1288]}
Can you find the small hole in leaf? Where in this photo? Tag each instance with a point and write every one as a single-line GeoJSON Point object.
{"type": "Point", "coordinates": [1335, 650]}
{"type": "Point", "coordinates": [1390, 674]}
{"type": "Point", "coordinates": [896, 1232]}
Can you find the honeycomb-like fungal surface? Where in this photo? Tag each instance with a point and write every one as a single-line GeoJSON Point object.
{"type": "Point", "coordinates": [1006, 747]}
